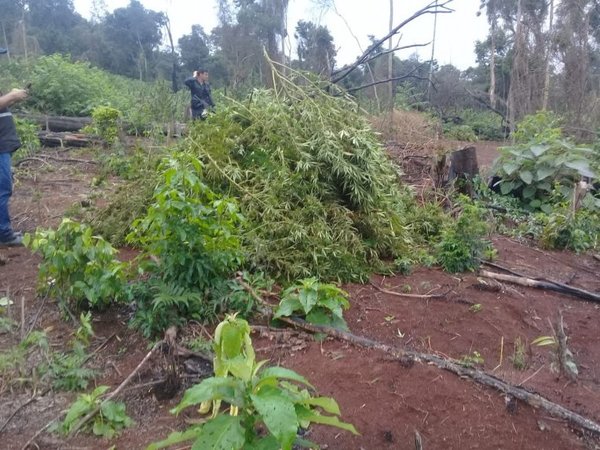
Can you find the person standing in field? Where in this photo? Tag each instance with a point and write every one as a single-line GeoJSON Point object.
{"type": "Point", "coordinates": [9, 142]}
{"type": "Point", "coordinates": [201, 95]}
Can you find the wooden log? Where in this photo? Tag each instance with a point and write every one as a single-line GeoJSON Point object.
{"type": "Point", "coordinates": [67, 139]}
{"type": "Point", "coordinates": [543, 284]}
{"type": "Point", "coordinates": [57, 123]}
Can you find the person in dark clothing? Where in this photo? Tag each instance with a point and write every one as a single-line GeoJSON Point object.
{"type": "Point", "coordinates": [9, 142]}
{"type": "Point", "coordinates": [201, 96]}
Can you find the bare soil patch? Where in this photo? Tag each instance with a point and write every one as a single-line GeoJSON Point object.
{"type": "Point", "coordinates": [387, 401]}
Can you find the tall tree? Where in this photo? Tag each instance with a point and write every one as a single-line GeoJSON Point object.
{"type": "Point", "coordinates": [315, 48]}
{"type": "Point", "coordinates": [133, 35]}
{"type": "Point", "coordinates": [194, 50]}
{"type": "Point", "coordinates": [574, 37]}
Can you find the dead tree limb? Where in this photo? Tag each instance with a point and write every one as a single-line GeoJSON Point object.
{"type": "Point", "coordinates": [543, 284]}
{"type": "Point", "coordinates": [33, 398]}
{"type": "Point", "coordinates": [385, 52]}
{"type": "Point", "coordinates": [423, 296]}
{"type": "Point", "coordinates": [434, 7]}
{"type": "Point", "coordinates": [375, 83]}
{"type": "Point", "coordinates": [531, 398]}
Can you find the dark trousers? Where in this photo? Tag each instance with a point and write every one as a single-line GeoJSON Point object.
{"type": "Point", "coordinates": [6, 184]}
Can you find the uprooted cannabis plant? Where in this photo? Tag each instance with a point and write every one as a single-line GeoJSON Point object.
{"type": "Point", "coordinates": [320, 196]}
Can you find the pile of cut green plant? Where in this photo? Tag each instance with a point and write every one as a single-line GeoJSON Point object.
{"type": "Point", "coordinates": [320, 196]}
{"type": "Point", "coordinates": [318, 193]}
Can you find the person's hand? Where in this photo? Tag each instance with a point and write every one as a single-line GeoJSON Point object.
{"type": "Point", "coordinates": [204, 114]}
{"type": "Point", "coordinates": [18, 94]}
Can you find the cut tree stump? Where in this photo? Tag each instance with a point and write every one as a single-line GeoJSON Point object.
{"type": "Point", "coordinates": [463, 168]}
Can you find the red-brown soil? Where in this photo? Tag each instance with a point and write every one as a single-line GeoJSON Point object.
{"type": "Point", "coordinates": [387, 401]}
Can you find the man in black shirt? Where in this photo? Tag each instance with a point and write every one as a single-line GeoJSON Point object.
{"type": "Point", "coordinates": [201, 97]}
{"type": "Point", "coordinates": [9, 142]}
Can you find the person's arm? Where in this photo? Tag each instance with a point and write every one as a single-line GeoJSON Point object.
{"type": "Point", "coordinates": [14, 96]}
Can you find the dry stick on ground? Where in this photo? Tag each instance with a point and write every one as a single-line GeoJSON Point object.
{"type": "Point", "coordinates": [116, 392]}
{"type": "Point", "coordinates": [532, 399]}
{"type": "Point", "coordinates": [565, 356]}
{"type": "Point", "coordinates": [424, 296]}
{"type": "Point", "coordinates": [43, 158]}
{"type": "Point", "coordinates": [41, 430]}
{"type": "Point", "coordinates": [586, 294]}
{"type": "Point", "coordinates": [543, 284]}
{"type": "Point", "coordinates": [34, 397]}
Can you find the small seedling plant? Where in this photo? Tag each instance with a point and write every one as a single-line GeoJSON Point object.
{"type": "Point", "coordinates": [77, 267]}
{"type": "Point", "coordinates": [268, 405]}
{"type": "Point", "coordinates": [110, 420]}
{"type": "Point", "coordinates": [320, 303]}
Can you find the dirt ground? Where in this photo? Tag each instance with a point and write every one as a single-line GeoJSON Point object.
{"type": "Point", "coordinates": [388, 402]}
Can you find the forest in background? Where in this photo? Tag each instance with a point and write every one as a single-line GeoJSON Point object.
{"type": "Point", "coordinates": [538, 55]}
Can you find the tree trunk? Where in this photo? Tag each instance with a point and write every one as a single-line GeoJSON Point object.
{"type": "Point", "coordinates": [390, 73]}
{"type": "Point", "coordinates": [463, 168]}
{"type": "Point", "coordinates": [493, 64]}
{"type": "Point", "coordinates": [546, 93]}
{"type": "Point", "coordinates": [432, 55]}
{"type": "Point", "coordinates": [516, 81]}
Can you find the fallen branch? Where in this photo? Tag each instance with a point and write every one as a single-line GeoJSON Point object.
{"type": "Point", "coordinates": [423, 296]}
{"type": "Point", "coordinates": [43, 158]}
{"type": "Point", "coordinates": [543, 284]}
{"type": "Point", "coordinates": [38, 432]}
{"type": "Point", "coordinates": [533, 399]}
{"type": "Point", "coordinates": [20, 407]}
{"type": "Point", "coordinates": [116, 392]}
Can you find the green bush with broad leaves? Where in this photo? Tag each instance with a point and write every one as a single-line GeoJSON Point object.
{"type": "Point", "coordinates": [268, 405]}
{"type": "Point", "coordinates": [105, 123]}
{"type": "Point", "coordinates": [110, 420]}
{"type": "Point", "coordinates": [319, 303]}
{"type": "Point", "coordinates": [190, 242]}
{"type": "Point", "coordinates": [541, 158]}
{"type": "Point", "coordinates": [28, 134]}
{"type": "Point", "coordinates": [194, 232]}
{"type": "Point", "coordinates": [460, 133]}
{"type": "Point", "coordinates": [77, 267]}
{"type": "Point", "coordinates": [463, 241]}
{"type": "Point", "coordinates": [564, 228]}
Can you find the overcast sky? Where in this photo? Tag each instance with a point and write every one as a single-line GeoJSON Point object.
{"type": "Point", "coordinates": [456, 35]}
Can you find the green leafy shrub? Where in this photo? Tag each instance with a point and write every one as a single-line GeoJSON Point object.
{"type": "Point", "coordinates": [320, 303]}
{"type": "Point", "coordinates": [486, 125]}
{"type": "Point", "coordinates": [27, 131]}
{"type": "Point", "coordinates": [564, 229]}
{"type": "Point", "coordinates": [460, 132]}
{"type": "Point", "coordinates": [190, 247]}
{"type": "Point", "coordinates": [268, 405]}
{"type": "Point", "coordinates": [192, 231]}
{"type": "Point", "coordinates": [109, 422]}
{"type": "Point", "coordinates": [105, 123]}
{"type": "Point", "coordinates": [540, 159]}
{"type": "Point", "coordinates": [78, 267]}
{"type": "Point", "coordinates": [66, 369]}
{"type": "Point", "coordinates": [462, 241]}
